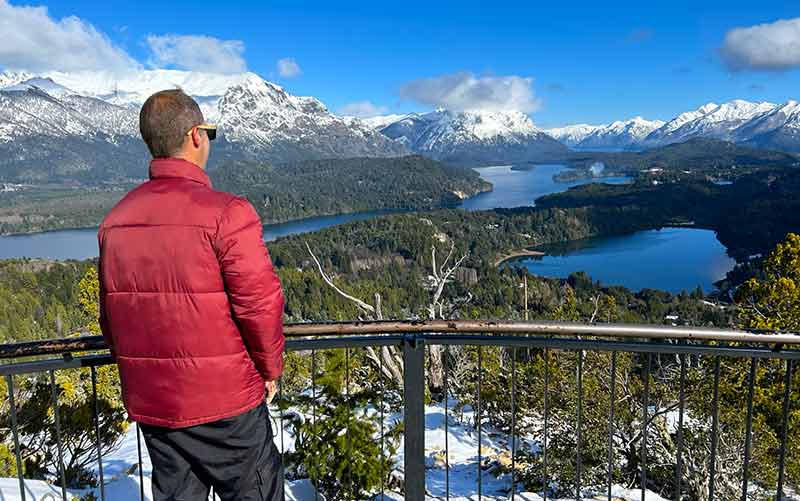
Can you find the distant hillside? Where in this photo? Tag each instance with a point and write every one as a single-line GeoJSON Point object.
{"type": "Point", "coordinates": [321, 187]}
{"type": "Point", "coordinates": [750, 216]}
{"type": "Point", "coordinates": [695, 154]}
{"type": "Point", "coordinates": [279, 193]}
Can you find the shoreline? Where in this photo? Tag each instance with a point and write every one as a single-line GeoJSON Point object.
{"type": "Point", "coordinates": [518, 253]}
{"type": "Point", "coordinates": [370, 212]}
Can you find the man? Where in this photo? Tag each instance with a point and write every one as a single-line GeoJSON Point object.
{"type": "Point", "coordinates": [191, 308]}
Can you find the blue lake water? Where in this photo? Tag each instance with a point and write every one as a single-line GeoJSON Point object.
{"type": "Point", "coordinates": [514, 188]}
{"type": "Point", "coordinates": [684, 257]}
{"type": "Point", "coordinates": [511, 189]}
{"type": "Point", "coordinates": [671, 259]}
{"type": "Point", "coordinates": [82, 244]}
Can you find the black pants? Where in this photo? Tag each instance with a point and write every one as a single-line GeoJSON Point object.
{"type": "Point", "coordinates": [237, 456]}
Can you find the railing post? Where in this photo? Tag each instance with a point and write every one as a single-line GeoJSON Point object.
{"type": "Point", "coordinates": [414, 416]}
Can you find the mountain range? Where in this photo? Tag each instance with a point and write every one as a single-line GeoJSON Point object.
{"type": "Point", "coordinates": [83, 127]}
{"type": "Point", "coordinates": [760, 124]}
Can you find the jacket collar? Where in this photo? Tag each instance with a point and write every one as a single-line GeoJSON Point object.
{"type": "Point", "coordinates": [177, 167]}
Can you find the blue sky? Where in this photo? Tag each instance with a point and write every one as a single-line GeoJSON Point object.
{"type": "Point", "coordinates": [580, 61]}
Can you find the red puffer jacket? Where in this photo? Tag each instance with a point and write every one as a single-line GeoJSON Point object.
{"type": "Point", "coordinates": [189, 302]}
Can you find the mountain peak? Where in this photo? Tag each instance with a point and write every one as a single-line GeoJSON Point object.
{"type": "Point", "coordinates": [46, 85]}
{"type": "Point", "coordinates": [476, 137]}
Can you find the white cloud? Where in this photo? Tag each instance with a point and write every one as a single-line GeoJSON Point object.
{"type": "Point", "coordinates": [197, 53]}
{"type": "Point", "coordinates": [774, 46]}
{"type": "Point", "coordinates": [465, 91]}
{"type": "Point", "coordinates": [34, 41]}
{"type": "Point", "coordinates": [288, 68]}
{"type": "Point", "coordinates": [362, 109]}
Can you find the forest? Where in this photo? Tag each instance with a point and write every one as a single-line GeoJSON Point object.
{"type": "Point", "coordinates": [279, 192]}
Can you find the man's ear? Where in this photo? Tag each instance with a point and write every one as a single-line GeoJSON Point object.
{"type": "Point", "coordinates": [196, 139]}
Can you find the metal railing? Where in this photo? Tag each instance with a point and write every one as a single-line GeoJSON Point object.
{"type": "Point", "coordinates": [412, 337]}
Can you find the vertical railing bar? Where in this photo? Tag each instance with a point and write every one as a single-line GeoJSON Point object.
{"type": "Point", "coordinates": [93, 371]}
{"type": "Point", "coordinates": [281, 426]}
{"type": "Point", "coordinates": [479, 421]}
{"type": "Point", "coordinates": [280, 414]}
{"type": "Point", "coordinates": [15, 431]}
{"type": "Point", "coordinates": [383, 390]}
{"type": "Point", "coordinates": [579, 424]}
{"type": "Point", "coordinates": [139, 453]}
{"type": "Point", "coordinates": [712, 473]}
{"type": "Point", "coordinates": [645, 417]}
{"type": "Point", "coordinates": [314, 414]}
{"type": "Point", "coordinates": [446, 424]}
{"type": "Point", "coordinates": [414, 416]}
{"type": "Point", "coordinates": [513, 421]}
{"type": "Point", "coordinates": [545, 480]}
{"type": "Point", "coordinates": [787, 392]}
{"type": "Point", "coordinates": [347, 431]}
{"type": "Point", "coordinates": [751, 382]}
{"type": "Point", "coordinates": [613, 391]}
{"type": "Point", "coordinates": [57, 421]}
{"type": "Point", "coordinates": [682, 404]}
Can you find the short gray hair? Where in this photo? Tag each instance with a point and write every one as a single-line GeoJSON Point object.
{"type": "Point", "coordinates": [165, 119]}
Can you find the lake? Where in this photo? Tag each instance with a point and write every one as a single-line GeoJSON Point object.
{"type": "Point", "coordinates": [671, 259]}
{"type": "Point", "coordinates": [82, 244]}
{"type": "Point", "coordinates": [512, 188]}
{"type": "Point", "coordinates": [695, 255]}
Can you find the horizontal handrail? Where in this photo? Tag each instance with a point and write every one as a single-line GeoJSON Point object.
{"type": "Point", "coordinates": [411, 337]}
{"type": "Point", "coordinates": [538, 328]}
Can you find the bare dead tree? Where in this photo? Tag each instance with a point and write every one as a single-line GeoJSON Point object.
{"type": "Point", "coordinates": [387, 359]}
{"type": "Point", "coordinates": [439, 308]}
{"type": "Point", "coordinates": [440, 276]}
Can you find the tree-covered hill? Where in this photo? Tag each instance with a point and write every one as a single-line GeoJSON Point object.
{"type": "Point", "coordinates": [750, 216]}
{"type": "Point", "coordinates": [323, 187]}
{"type": "Point", "coordinates": [705, 155]}
{"type": "Point", "coordinates": [280, 193]}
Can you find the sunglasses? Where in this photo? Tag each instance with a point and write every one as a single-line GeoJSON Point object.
{"type": "Point", "coordinates": [211, 130]}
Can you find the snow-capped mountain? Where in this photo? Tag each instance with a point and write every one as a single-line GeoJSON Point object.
{"type": "Point", "coordinates": [619, 135]}
{"type": "Point", "coordinates": [681, 120]}
{"type": "Point", "coordinates": [474, 137]}
{"type": "Point", "coordinates": [43, 137]}
{"type": "Point", "coordinates": [259, 117]}
{"type": "Point", "coordinates": [777, 129]}
{"type": "Point", "coordinates": [572, 135]}
{"type": "Point", "coordinates": [718, 122]}
{"type": "Point", "coordinates": [63, 123]}
{"type": "Point", "coordinates": [378, 122]}
{"type": "Point", "coordinates": [760, 124]}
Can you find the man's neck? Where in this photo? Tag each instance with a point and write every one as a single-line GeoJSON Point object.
{"type": "Point", "coordinates": [190, 159]}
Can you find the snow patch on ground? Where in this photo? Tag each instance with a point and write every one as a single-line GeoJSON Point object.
{"type": "Point", "coordinates": [123, 481]}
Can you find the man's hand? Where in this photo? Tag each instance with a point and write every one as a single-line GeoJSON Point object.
{"type": "Point", "coordinates": [272, 389]}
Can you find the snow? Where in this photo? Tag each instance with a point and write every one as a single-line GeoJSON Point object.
{"type": "Point", "coordinates": [45, 84]}
{"type": "Point", "coordinates": [259, 115]}
{"type": "Point", "coordinates": [618, 134]}
{"type": "Point", "coordinates": [443, 131]}
{"type": "Point", "coordinates": [377, 122]}
{"type": "Point", "coordinates": [571, 135]}
{"type": "Point", "coordinates": [122, 477]}
{"type": "Point", "coordinates": [137, 85]}
{"type": "Point", "coordinates": [735, 120]}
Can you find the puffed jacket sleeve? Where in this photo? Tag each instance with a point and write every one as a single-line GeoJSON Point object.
{"type": "Point", "coordinates": [253, 287]}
